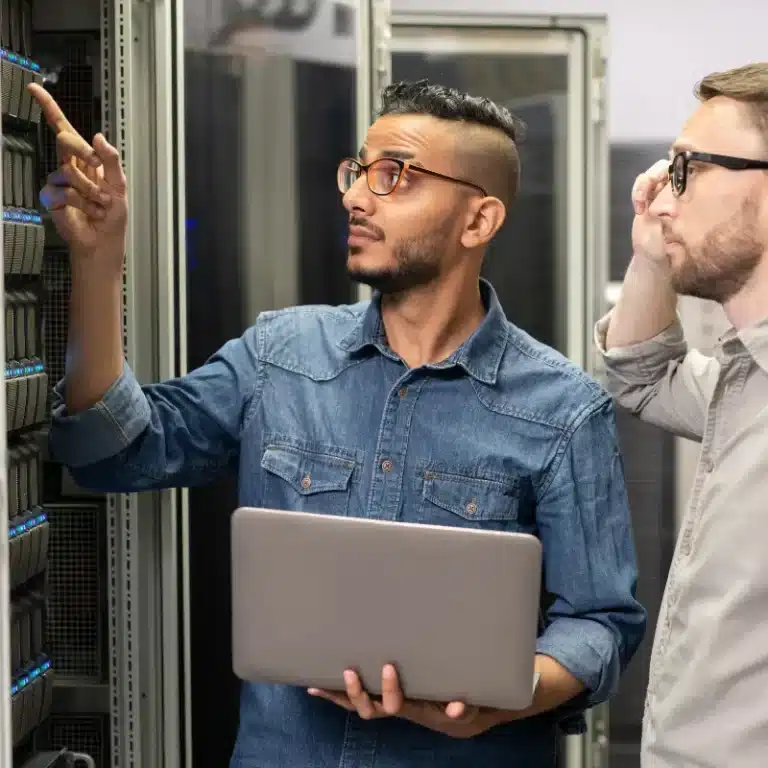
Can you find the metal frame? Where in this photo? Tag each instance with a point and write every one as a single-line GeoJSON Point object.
{"type": "Point", "coordinates": [587, 235]}
{"type": "Point", "coordinates": [121, 520]}
{"type": "Point", "coordinates": [179, 71]}
{"type": "Point", "coordinates": [139, 115]}
{"type": "Point", "coordinates": [167, 117]}
{"type": "Point", "coordinates": [374, 71]}
{"type": "Point", "coordinates": [270, 199]}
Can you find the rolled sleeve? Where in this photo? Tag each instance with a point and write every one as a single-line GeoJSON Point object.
{"type": "Point", "coordinates": [103, 430]}
{"type": "Point", "coordinates": [588, 651]}
{"type": "Point", "coordinates": [660, 380]}
{"type": "Point", "coordinates": [645, 361]}
{"type": "Point", "coordinates": [594, 623]}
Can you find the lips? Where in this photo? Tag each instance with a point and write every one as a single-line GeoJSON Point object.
{"type": "Point", "coordinates": [362, 233]}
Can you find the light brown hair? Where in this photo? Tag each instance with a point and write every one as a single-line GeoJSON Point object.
{"type": "Point", "coordinates": [747, 84]}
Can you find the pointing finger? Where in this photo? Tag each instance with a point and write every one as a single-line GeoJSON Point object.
{"type": "Point", "coordinates": [51, 110]}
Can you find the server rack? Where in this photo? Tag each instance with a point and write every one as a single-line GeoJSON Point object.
{"type": "Point", "coordinates": [118, 619]}
{"type": "Point", "coordinates": [26, 389]}
{"type": "Point", "coordinates": [89, 582]}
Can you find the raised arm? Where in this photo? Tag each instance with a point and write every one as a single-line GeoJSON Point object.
{"type": "Point", "coordinates": [111, 433]}
{"type": "Point", "coordinates": [86, 196]}
{"type": "Point", "coordinates": [650, 370]}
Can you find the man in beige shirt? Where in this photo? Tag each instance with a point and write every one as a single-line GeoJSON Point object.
{"type": "Point", "coordinates": [701, 229]}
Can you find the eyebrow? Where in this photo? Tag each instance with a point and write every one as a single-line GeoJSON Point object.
{"type": "Point", "coordinates": [397, 154]}
{"type": "Point", "coordinates": [682, 146]}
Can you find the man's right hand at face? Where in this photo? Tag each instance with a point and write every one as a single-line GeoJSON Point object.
{"type": "Point", "coordinates": [86, 194]}
{"type": "Point", "coordinates": [647, 235]}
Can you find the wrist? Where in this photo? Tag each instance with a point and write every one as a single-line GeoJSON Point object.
{"type": "Point", "coordinates": [104, 266]}
{"type": "Point", "coordinates": [651, 265]}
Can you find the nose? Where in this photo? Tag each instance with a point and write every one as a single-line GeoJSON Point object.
{"type": "Point", "coordinates": [664, 204]}
{"type": "Point", "coordinates": [359, 198]}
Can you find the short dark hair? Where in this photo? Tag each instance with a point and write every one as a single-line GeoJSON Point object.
{"type": "Point", "coordinates": [440, 101]}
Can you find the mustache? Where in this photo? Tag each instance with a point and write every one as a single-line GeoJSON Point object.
{"type": "Point", "coordinates": [356, 221]}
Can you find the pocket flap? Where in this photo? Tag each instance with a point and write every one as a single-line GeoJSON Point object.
{"type": "Point", "coordinates": [308, 472]}
{"type": "Point", "coordinates": [472, 498]}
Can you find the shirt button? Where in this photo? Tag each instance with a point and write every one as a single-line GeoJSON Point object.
{"type": "Point", "coordinates": [306, 482]}
{"type": "Point", "coordinates": [471, 508]}
{"type": "Point", "coordinates": [386, 465]}
{"type": "Point", "coordinates": [706, 464]}
{"type": "Point", "coordinates": [403, 392]}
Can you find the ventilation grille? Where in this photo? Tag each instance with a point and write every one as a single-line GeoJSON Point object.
{"type": "Point", "coordinates": [76, 606]}
{"type": "Point", "coordinates": [87, 734]}
{"type": "Point", "coordinates": [57, 282]}
{"type": "Point", "coordinates": [69, 58]}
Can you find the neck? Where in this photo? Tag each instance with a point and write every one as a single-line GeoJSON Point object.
{"type": "Point", "coordinates": [750, 305]}
{"type": "Point", "coordinates": [428, 324]}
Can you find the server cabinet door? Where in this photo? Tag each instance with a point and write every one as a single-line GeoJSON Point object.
{"type": "Point", "coordinates": [550, 264]}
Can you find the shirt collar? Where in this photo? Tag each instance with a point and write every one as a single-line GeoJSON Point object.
{"type": "Point", "coordinates": [480, 355]}
{"type": "Point", "coordinates": [753, 339]}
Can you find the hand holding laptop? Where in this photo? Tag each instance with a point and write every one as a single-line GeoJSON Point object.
{"type": "Point", "coordinates": [455, 719]}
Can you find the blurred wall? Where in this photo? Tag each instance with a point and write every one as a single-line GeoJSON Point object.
{"type": "Point", "coordinates": [658, 50]}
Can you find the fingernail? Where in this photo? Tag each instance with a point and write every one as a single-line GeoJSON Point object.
{"type": "Point", "coordinates": [312, 691]}
{"type": "Point", "coordinates": [349, 676]}
{"type": "Point", "coordinates": [94, 161]}
{"type": "Point", "coordinates": [104, 198]}
{"type": "Point", "coordinates": [388, 671]}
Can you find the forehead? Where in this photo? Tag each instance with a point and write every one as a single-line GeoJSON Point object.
{"type": "Point", "coordinates": [721, 126]}
{"type": "Point", "coordinates": [417, 137]}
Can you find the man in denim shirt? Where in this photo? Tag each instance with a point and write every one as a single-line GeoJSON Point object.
{"type": "Point", "coordinates": [423, 405]}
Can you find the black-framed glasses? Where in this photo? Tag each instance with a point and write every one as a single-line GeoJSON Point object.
{"type": "Point", "coordinates": [385, 174]}
{"type": "Point", "coordinates": [678, 168]}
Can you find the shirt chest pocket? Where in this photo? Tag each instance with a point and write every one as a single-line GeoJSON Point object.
{"type": "Point", "coordinates": [470, 501]}
{"type": "Point", "coordinates": [305, 481]}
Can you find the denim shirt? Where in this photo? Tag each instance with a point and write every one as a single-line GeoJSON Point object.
{"type": "Point", "coordinates": [505, 434]}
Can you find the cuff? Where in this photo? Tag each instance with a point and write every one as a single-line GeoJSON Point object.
{"type": "Point", "coordinates": [669, 340]}
{"type": "Point", "coordinates": [587, 650]}
{"type": "Point", "coordinates": [104, 429]}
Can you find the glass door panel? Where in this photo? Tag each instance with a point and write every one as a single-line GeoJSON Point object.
{"type": "Point", "coordinates": [538, 255]}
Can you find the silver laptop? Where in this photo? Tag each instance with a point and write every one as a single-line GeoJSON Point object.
{"type": "Point", "coordinates": [455, 610]}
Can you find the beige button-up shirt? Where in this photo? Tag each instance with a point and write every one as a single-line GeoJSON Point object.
{"type": "Point", "coordinates": [707, 700]}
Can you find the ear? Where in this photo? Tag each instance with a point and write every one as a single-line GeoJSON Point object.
{"type": "Point", "coordinates": [484, 219]}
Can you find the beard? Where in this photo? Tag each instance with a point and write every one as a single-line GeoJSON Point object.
{"type": "Point", "coordinates": [417, 262]}
{"type": "Point", "coordinates": [723, 263]}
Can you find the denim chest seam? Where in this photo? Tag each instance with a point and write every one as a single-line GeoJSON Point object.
{"type": "Point", "coordinates": [249, 411]}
